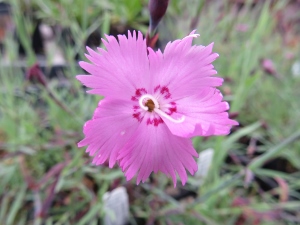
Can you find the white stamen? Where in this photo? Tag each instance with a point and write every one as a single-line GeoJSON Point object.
{"type": "Point", "coordinates": [161, 113]}
{"type": "Point", "coordinates": [141, 101]}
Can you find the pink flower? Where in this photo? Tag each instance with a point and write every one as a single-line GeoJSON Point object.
{"type": "Point", "coordinates": [154, 103]}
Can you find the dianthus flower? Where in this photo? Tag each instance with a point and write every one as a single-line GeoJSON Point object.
{"type": "Point", "coordinates": [154, 103]}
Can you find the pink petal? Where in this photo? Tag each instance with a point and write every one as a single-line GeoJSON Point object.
{"type": "Point", "coordinates": [155, 148]}
{"type": "Point", "coordinates": [184, 68]}
{"type": "Point", "coordinates": [111, 127]}
{"type": "Point", "coordinates": [207, 111]}
{"type": "Point", "coordinates": [123, 68]}
{"type": "Point", "coordinates": [184, 129]}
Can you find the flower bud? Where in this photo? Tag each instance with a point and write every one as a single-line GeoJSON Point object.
{"type": "Point", "coordinates": [35, 74]}
{"type": "Point", "coordinates": [157, 10]}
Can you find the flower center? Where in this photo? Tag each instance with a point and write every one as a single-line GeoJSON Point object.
{"type": "Point", "coordinates": [150, 104]}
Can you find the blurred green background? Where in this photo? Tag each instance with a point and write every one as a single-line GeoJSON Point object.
{"type": "Point", "coordinates": [254, 175]}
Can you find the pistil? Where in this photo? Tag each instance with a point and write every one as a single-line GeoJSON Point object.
{"type": "Point", "coordinates": [163, 114]}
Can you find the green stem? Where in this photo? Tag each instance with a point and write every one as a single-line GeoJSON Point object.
{"type": "Point", "coordinates": [259, 161]}
{"type": "Point", "coordinates": [23, 32]}
{"type": "Point", "coordinates": [220, 187]}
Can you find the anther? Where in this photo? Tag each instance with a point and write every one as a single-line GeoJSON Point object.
{"type": "Point", "coordinates": [150, 105]}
